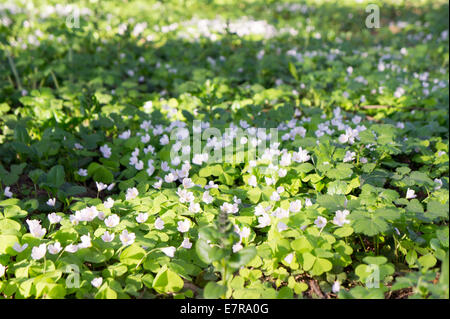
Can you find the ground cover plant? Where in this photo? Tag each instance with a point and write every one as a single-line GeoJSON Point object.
{"type": "Point", "coordinates": [223, 149]}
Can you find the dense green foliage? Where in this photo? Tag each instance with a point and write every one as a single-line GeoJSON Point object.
{"type": "Point", "coordinates": [94, 204]}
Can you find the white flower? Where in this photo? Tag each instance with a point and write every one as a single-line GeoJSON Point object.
{"type": "Point", "coordinates": [282, 172]}
{"type": "Point", "coordinates": [186, 149]}
{"type": "Point", "coordinates": [340, 218]}
{"type": "Point", "coordinates": [349, 156]}
{"type": "Point", "coordinates": [356, 119]}
{"type": "Point", "coordinates": [186, 243]}
{"type": "Point", "coordinates": [71, 248]}
{"type": "Point", "coordinates": [127, 238]}
{"type": "Point", "coordinates": [229, 208]}
{"type": "Point", "coordinates": [286, 159]}
{"type": "Point", "coordinates": [259, 209]}
{"type": "Point", "coordinates": [301, 156]}
{"type": "Point", "coordinates": [164, 140]}
{"type": "Point", "coordinates": [439, 183]}
{"type": "Point", "coordinates": [169, 178]}
{"type": "Point", "coordinates": [107, 237]}
{"type": "Point", "coordinates": [85, 241]}
{"type": "Point", "coordinates": [158, 184]}
{"type": "Point", "coordinates": [145, 139]}
{"type": "Point", "coordinates": [112, 221]}
{"type": "Point", "coordinates": [38, 252]}
{"type": "Point", "coordinates": [100, 186]}
{"type": "Point", "coordinates": [132, 193]}
{"type": "Point", "coordinates": [194, 207]}
{"type": "Point", "coordinates": [77, 146]}
{"type": "Point", "coordinates": [176, 161]}
{"type": "Point", "coordinates": [236, 247]}
{"type": "Point", "coordinates": [109, 203]}
{"type": "Point", "coordinates": [185, 196]}
{"type": "Point", "coordinates": [51, 202]}
{"type": "Point", "coordinates": [139, 165]}
{"type": "Point", "coordinates": [188, 183]}
{"type": "Point", "coordinates": [150, 170]}
{"type": "Point", "coordinates": [183, 226]}
{"type": "Point", "coordinates": [410, 194]}
{"type": "Point", "coordinates": [198, 159]}
{"type": "Point", "coordinates": [35, 228]}
{"type": "Point", "coordinates": [106, 151]}
{"type": "Point", "coordinates": [101, 215]}
{"type": "Point", "coordinates": [336, 287]}
{"type": "Point", "coordinates": [97, 282]}
{"type": "Point", "coordinates": [244, 233]}
{"type": "Point", "coordinates": [211, 184]}
{"type": "Point", "coordinates": [142, 218]}
{"type": "Point", "coordinates": [207, 198]}
{"type": "Point", "coordinates": [308, 202]}
{"type": "Point", "coordinates": [19, 248]}
{"type": "Point", "coordinates": [349, 136]}
{"type": "Point", "coordinates": [399, 92]}
{"type": "Point", "coordinates": [270, 181]}
{"type": "Point", "coordinates": [87, 214]}
{"type": "Point", "coordinates": [82, 172]}
{"type": "Point", "coordinates": [2, 270]}
{"type": "Point", "coordinates": [281, 226]}
{"type": "Point", "coordinates": [53, 218]}
{"type": "Point", "coordinates": [295, 206]}
{"type": "Point", "coordinates": [159, 224]}
{"type": "Point", "coordinates": [55, 248]}
{"type": "Point", "coordinates": [320, 222]}
{"type": "Point", "coordinates": [275, 196]}
{"type": "Point", "coordinates": [8, 192]}
{"type": "Point", "coordinates": [264, 220]}
{"type": "Point", "coordinates": [149, 149]}
{"type": "Point", "coordinates": [280, 213]}
{"type": "Point", "coordinates": [125, 135]}
{"type": "Point", "coordinates": [169, 251]}
{"type": "Point", "coordinates": [288, 259]}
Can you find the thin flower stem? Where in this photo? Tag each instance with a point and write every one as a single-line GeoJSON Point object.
{"type": "Point", "coordinates": [55, 80]}
{"type": "Point", "coordinates": [45, 264]}
{"type": "Point", "coordinates": [14, 70]}
{"type": "Point", "coordinates": [362, 243]}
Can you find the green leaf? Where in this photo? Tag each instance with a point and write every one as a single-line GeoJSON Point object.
{"type": "Point", "coordinates": [285, 293]}
{"type": "Point", "coordinates": [343, 231]}
{"type": "Point", "coordinates": [368, 223]}
{"type": "Point", "coordinates": [254, 195]}
{"type": "Point", "coordinates": [132, 255]}
{"type": "Point", "coordinates": [242, 257]}
{"type": "Point", "coordinates": [380, 260]}
{"type": "Point", "coordinates": [301, 245]}
{"type": "Point", "coordinates": [55, 177]}
{"type": "Point", "coordinates": [293, 71]}
{"type": "Point", "coordinates": [427, 261]}
{"type": "Point", "coordinates": [213, 290]}
{"type": "Point", "coordinates": [6, 242]}
{"type": "Point", "coordinates": [167, 281]}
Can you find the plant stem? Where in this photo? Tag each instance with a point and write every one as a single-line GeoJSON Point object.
{"type": "Point", "coordinates": [362, 243]}
{"type": "Point", "coordinates": [54, 79]}
{"type": "Point", "coordinates": [14, 70]}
